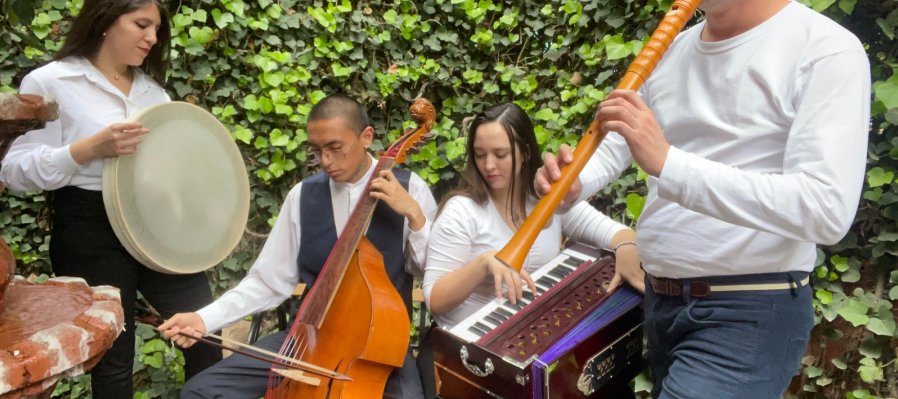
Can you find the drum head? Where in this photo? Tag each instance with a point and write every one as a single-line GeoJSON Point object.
{"type": "Point", "coordinates": [179, 204]}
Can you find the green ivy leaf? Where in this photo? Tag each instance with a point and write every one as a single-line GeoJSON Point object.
{"type": "Point", "coordinates": [840, 263]}
{"type": "Point", "coordinates": [154, 345]}
{"type": "Point", "coordinates": [273, 79]}
{"type": "Point", "coordinates": [870, 372]}
{"type": "Point", "coordinates": [616, 49]}
{"type": "Point", "coordinates": [222, 19]}
{"type": "Point", "coordinates": [840, 364]}
{"type": "Point", "coordinates": [243, 134]}
{"type": "Point", "coordinates": [847, 6]}
{"type": "Point", "coordinates": [201, 35]}
{"type": "Point", "coordinates": [878, 326]}
{"type": "Point", "coordinates": [851, 276]}
{"type": "Point", "coordinates": [546, 114]}
{"type": "Point", "coordinates": [854, 312]}
{"type": "Point", "coordinates": [813, 372]}
{"type": "Point", "coordinates": [879, 177]}
{"type": "Point", "coordinates": [390, 16]}
{"type": "Point", "coordinates": [155, 360]}
{"type": "Point", "coordinates": [825, 297]}
{"type": "Point", "coordinates": [181, 20]}
{"type": "Point", "coordinates": [635, 204]}
{"type": "Point", "coordinates": [340, 70]}
{"type": "Point", "coordinates": [820, 5]}
{"type": "Point", "coordinates": [472, 76]}
{"type": "Point", "coordinates": [278, 138]}
{"type": "Point", "coordinates": [887, 91]}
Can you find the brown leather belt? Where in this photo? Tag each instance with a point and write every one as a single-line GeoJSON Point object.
{"type": "Point", "coordinates": [700, 288]}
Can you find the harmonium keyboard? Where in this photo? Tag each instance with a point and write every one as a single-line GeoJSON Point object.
{"type": "Point", "coordinates": [569, 340]}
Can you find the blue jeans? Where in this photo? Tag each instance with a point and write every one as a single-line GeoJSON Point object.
{"type": "Point", "coordinates": [730, 345]}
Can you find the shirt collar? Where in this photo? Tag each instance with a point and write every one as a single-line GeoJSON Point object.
{"type": "Point", "coordinates": [360, 183]}
{"type": "Point", "coordinates": [76, 66]}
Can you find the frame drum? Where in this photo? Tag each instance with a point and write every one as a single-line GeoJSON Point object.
{"type": "Point", "coordinates": [178, 204]}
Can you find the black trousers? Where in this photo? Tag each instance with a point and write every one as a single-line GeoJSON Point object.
{"type": "Point", "coordinates": [242, 377]}
{"type": "Point", "coordinates": [83, 244]}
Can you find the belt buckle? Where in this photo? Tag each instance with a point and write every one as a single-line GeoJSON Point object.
{"type": "Point", "coordinates": [666, 286]}
{"type": "Point", "coordinates": [660, 285]}
{"type": "Point", "coordinates": [699, 289]}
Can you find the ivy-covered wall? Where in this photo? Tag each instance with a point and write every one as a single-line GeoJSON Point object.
{"type": "Point", "coordinates": [258, 65]}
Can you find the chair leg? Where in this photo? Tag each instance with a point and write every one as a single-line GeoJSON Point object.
{"type": "Point", "coordinates": [254, 326]}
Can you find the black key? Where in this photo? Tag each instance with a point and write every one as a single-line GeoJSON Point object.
{"type": "Point", "coordinates": [477, 330]}
{"type": "Point", "coordinates": [573, 262]}
{"type": "Point", "coordinates": [504, 312]}
{"type": "Point", "coordinates": [557, 274]}
{"type": "Point", "coordinates": [508, 308]}
{"type": "Point", "coordinates": [492, 319]}
{"type": "Point", "coordinates": [544, 283]}
{"type": "Point", "coordinates": [482, 327]}
{"type": "Point", "coordinates": [565, 269]}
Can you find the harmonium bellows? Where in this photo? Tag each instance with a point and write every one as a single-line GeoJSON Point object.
{"type": "Point", "coordinates": [570, 340]}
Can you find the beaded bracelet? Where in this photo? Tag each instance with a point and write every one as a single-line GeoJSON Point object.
{"type": "Point", "coordinates": [622, 243]}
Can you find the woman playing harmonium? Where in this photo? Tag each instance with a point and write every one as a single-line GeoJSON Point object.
{"type": "Point", "coordinates": [483, 213]}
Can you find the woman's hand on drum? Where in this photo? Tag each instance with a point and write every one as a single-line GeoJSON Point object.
{"type": "Point", "coordinates": [114, 140]}
{"type": "Point", "coordinates": [387, 189]}
{"type": "Point", "coordinates": [502, 274]}
{"type": "Point", "coordinates": [180, 324]}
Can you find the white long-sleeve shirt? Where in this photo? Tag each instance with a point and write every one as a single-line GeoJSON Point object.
{"type": "Point", "coordinates": [465, 230]}
{"type": "Point", "coordinates": [769, 134]}
{"type": "Point", "coordinates": [40, 159]}
{"type": "Point", "coordinates": [274, 275]}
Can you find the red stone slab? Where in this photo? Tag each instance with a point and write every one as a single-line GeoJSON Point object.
{"type": "Point", "coordinates": [7, 268]}
{"type": "Point", "coordinates": [54, 330]}
{"type": "Point", "coordinates": [20, 113]}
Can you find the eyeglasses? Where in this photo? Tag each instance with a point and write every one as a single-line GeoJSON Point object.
{"type": "Point", "coordinates": [333, 152]}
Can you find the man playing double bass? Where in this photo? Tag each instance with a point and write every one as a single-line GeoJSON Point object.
{"type": "Point", "coordinates": [753, 129]}
{"type": "Point", "coordinates": [312, 217]}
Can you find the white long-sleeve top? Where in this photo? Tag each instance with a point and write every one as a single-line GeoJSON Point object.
{"type": "Point", "coordinates": [464, 230]}
{"type": "Point", "coordinates": [769, 135]}
{"type": "Point", "coordinates": [274, 275]}
{"type": "Point", "coordinates": [40, 159]}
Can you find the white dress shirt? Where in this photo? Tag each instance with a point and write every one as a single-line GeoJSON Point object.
{"type": "Point", "coordinates": [88, 103]}
{"type": "Point", "coordinates": [274, 275]}
{"type": "Point", "coordinates": [465, 230]}
{"type": "Point", "coordinates": [769, 136]}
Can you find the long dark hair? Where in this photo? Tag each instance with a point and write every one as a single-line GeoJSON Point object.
{"type": "Point", "coordinates": [86, 34]}
{"type": "Point", "coordinates": [520, 133]}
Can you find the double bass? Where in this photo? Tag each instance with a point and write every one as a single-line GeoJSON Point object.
{"type": "Point", "coordinates": [353, 321]}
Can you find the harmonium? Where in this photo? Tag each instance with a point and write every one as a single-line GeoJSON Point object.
{"type": "Point", "coordinates": [569, 341]}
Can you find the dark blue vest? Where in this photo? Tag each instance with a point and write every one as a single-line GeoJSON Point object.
{"type": "Point", "coordinates": [318, 234]}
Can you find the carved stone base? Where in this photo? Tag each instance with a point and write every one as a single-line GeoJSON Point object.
{"type": "Point", "coordinates": [54, 330]}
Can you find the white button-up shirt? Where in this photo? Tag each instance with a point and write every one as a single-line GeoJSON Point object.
{"type": "Point", "coordinates": [88, 102]}
{"type": "Point", "coordinates": [769, 136]}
